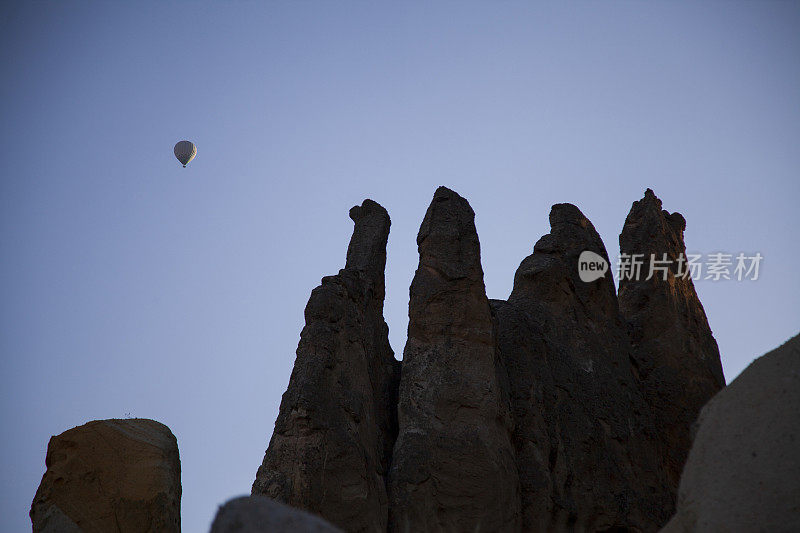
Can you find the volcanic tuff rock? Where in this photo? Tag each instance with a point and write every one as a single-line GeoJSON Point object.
{"type": "Point", "coordinates": [110, 475]}
{"type": "Point", "coordinates": [675, 354]}
{"type": "Point", "coordinates": [331, 448]}
{"type": "Point", "coordinates": [584, 441]}
{"type": "Point", "coordinates": [259, 514]}
{"type": "Point", "coordinates": [453, 465]}
{"type": "Point", "coordinates": [743, 471]}
{"type": "Point", "coordinates": [561, 409]}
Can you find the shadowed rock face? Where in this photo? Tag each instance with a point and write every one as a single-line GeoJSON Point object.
{"type": "Point", "coordinates": [453, 467]}
{"type": "Point", "coordinates": [110, 476]}
{"type": "Point", "coordinates": [743, 471]}
{"type": "Point", "coordinates": [676, 356]}
{"type": "Point", "coordinates": [561, 409]}
{"type": "Point", "coordinates": [584, 442]}
{"type": "Point", "coordinates": [331, 448]}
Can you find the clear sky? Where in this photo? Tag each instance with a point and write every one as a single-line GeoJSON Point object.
{"type": "Point", "coordinates": [132, 286]}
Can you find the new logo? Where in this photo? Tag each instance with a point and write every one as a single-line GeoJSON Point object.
{"type": "Point", "coordinates": [591, 266]}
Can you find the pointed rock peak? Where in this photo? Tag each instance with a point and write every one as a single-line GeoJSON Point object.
{"type": "Point", "coordinates": [447, 239]}
{"type": "Point", "coordinates": [448, 212]}
{"type": "Point", "coordinates": [552, 271]}
{"type": "Point", "coordinates": [570, 234]}
{"type": "Point", "coordinates": [674, 350]}
{"type": "Point", "coordinates": [572, 389]}
{"type": "Point", "coordinates": [443, 192]}
{"type": "Point", "coordinates": [568, 221]}
{"type": "Point", "coordinates": [338, 419]}
{"type": "Point", "coordinates": [367, 208]}
{"type": "Point", "coordinates": [650, 205]}
{"type": "Point", "coordinates": [567, 213]}
{"type": "Point", "coordinates": [367, 249]}
{"type": "Point", "coordinates": [451, 413]}
{"type": "Point", "coordinates": [648, 226]}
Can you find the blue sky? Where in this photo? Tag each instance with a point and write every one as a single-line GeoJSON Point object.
{"type": "Point", "coordinates": [133, 286]}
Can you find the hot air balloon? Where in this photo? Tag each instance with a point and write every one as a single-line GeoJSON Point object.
{"type": "Point", "coordinates": [185, 152]}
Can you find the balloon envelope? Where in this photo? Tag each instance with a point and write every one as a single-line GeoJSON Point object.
{"type": "Point", "coordinates": [185, 152]}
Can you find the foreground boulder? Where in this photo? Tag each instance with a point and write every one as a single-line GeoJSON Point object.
{"type": "Point", "coordinates": [453, 465]}
{"type": "Point", "coordinates": [586, 449]}
{"type": "Point", "coordinates": [675, 354]}
{"type": "Point", "coordinates": [743, 472]}
{"type": "Point", "coordinates": [259, 514]}
{"type": "Point", "coordinates": [110, 476]}
{"type": "Point", "coordinates": [333, 438]}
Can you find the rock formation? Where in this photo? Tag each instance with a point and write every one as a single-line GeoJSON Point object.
{"type": "Point", "coordinates": [585, 445]}
{"type": "Point", "coordinates": [674, 352]}
{"type": "Point", "coordinates": [110, 476]}
{"type": "Point", "coordinates": [453, 465]}
{"type": "Point", "coordinates": [561, 409]}
{"type": "Point", "coordinates": [565, 408]}
{"type": "Point", "coordinates": [259, 514]}
{"type": "Point", "coordinates": [331, 448]}
{"type": "Point", "coordinates": [743, 471]}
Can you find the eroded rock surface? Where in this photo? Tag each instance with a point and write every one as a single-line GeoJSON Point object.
{"type": "Point", "coordinates": [561, 409]}
{"type": "Point", "coordinates": [260, 514]}
{"type": "Point", "coordinates": [585, 446]}
{"type": "Point", "coordinates": [453, 465]}
{"type": "Point", "coordinates": [110, 476]}
{"type": "Point", "coordinates": [331, 448]}
{"type": "Point", "coordinates": [676, 356]}
{"type": "Point", "coordinates": [743, 471]}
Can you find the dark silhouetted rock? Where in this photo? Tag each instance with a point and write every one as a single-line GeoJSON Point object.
{"type": "Point", "coordinates": [110, 476]}
{"type": "Point", "coordinates": [331, 448]}
{"type": "Point", "coordinates": [259, 514]}
{"type": "Point", "coordinates": [743, 471]}
{"type": "Point", "coordinates": [585, 445]}
{"type": "Point", "coordinates": [561, 409]}
{"type": "Point", "coordinates": [676, 357]}
{"type": "Point", "coordinates": [453, 467]}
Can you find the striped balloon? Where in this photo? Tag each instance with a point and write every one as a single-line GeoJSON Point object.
{"type": "Point", "coordinates": [185, 152]}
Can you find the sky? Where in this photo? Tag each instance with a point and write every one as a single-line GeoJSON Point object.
{"type": "Point", "coordinates": [130, 286]}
